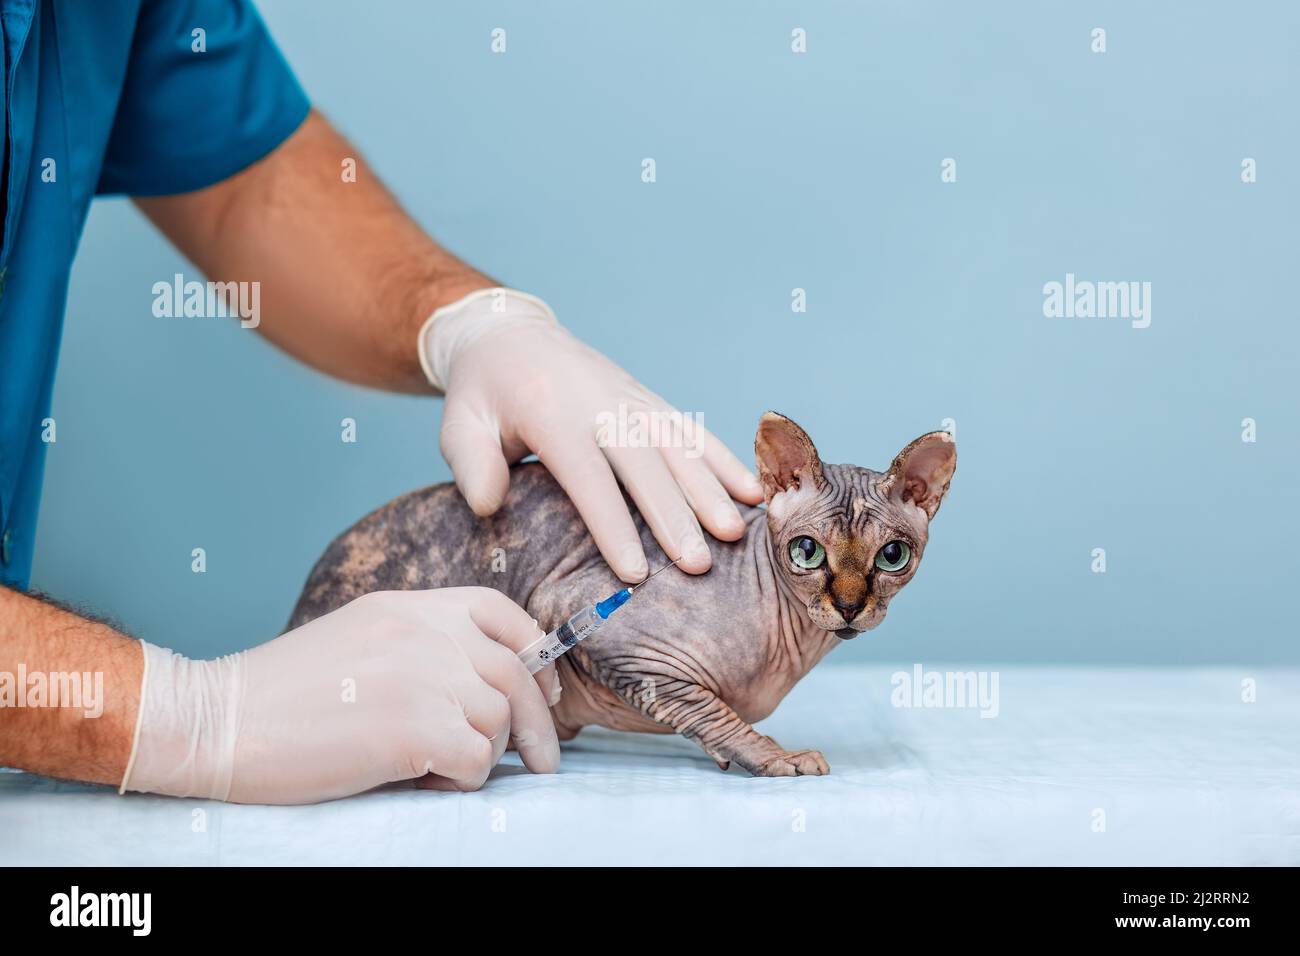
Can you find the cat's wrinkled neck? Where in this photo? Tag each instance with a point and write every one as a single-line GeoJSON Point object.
{"type": "Point", "coordinates": [795, 632]}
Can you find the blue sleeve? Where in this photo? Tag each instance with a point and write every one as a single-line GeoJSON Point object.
{"type": "Point", "coordinates": [188, 119]}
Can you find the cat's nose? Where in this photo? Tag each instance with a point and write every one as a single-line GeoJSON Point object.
{"type": "Point", "coordinates": [848, 608]}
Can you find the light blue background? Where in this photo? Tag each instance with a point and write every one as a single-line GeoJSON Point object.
{"type": "Point", "coordinates": [775, 171]}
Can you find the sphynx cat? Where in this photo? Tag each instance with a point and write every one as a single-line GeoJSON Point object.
{"type": "Point", "coordinates": [705, 657]}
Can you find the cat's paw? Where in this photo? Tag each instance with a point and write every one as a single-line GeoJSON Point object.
{"type": "Point", "coordinates": [793, 763]}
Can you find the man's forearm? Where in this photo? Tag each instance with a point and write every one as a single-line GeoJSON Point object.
{"type": "Point", "coordinates": [92, 670]}
{"type": "Point", "coordinates": [346, 276]}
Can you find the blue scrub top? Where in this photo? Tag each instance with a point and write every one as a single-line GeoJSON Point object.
{"type": "Point", "coordinates": [107, 97]}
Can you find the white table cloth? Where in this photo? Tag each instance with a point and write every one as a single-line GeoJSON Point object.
{"type": "Point", "coordinates": [1080, 766]}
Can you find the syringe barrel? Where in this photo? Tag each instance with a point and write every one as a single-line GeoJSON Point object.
{"type": "Point", "coordinates": [546, 649]}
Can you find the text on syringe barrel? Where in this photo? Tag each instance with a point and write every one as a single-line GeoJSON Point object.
{"type": "Point", "coordinates": [575, 629]}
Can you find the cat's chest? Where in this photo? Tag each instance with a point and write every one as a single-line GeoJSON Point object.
{"type": "Point", "coordinates": [758, 700]}
{"type": "Point", "coordinates": [755, 692]}
{"type": "Point", "coordinates": [722, 630]}
{"type": "Point", "coordinates": [744, 654]}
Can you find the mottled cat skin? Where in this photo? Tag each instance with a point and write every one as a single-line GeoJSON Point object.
{"type": "Point", "coordinates": [704, 656]}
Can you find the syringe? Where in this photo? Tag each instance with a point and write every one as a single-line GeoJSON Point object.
{"type": "Point", "coordinates": [578, 628]}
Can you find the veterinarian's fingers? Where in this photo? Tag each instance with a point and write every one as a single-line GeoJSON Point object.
{"type": "Point", "coordinates": [705, 494]}
{"type": "Point", "coordinates": [459, 754]}
{"type": "Point", "coordinates": [472, 447]}
{"type": "Point", "coordinates": [740, 482]}
{"type": "Point", "coordinates": [529, 716]}
{"type": "Point", "coordinates": [661, 503]}
{"type": "Point", "coordinates": [507, 623]}
{"type": "Point", "coordinates": [585, 476]}
{"type": "Point", "coordinates": [496, 616]}
{"type": "Point", "coordinates": [548, 679]}
{"type": "Point", "coordinates": [486, 710]}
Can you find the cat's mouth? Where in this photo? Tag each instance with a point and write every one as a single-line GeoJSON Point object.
{"type": "Point", "coordinates": [847, 633]}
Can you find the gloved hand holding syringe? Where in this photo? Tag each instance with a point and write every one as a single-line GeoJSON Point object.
{"type": "Point", "coordinates": [578, 628]}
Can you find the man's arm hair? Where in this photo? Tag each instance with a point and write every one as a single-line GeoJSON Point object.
{"type": "Point", "coordinates": [346, 276]}
{"type": "Point", "coordinates": [50, 647]}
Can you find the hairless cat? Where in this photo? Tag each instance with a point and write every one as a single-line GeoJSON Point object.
{"type": "Point", "coordinates": [705, 657]}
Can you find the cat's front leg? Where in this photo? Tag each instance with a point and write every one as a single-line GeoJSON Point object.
{"type": "Point", "coordinates": [700, 715]}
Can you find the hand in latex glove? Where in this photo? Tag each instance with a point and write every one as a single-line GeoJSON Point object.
{"type": "Point", "coordinates": [516, 382]}
{"type": "Point", "coordinates": [397, 685]}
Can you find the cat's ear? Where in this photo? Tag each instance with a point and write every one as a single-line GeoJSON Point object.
{"type": "Point", "coordinates": [786, 456]}
{"type": "Point", "coordinates": [922, 471]}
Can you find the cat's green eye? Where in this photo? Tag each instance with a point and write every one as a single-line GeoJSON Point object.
{"type": "Point", "coordinates": [893, 556]}
{"type": "Point", "coordinates": [807, 553]}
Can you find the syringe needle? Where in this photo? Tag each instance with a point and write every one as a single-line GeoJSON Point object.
{"type": "Point", "coordinates": [664, 568]}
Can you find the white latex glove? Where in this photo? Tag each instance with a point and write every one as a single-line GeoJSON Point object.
{"type": "Point", "coordinates": [397, 685]}
{"type": "Point", "coordinates": [517, 382]}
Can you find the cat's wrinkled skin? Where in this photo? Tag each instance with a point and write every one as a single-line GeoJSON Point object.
{"type": "Point", "coordinates": [706, 656]}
